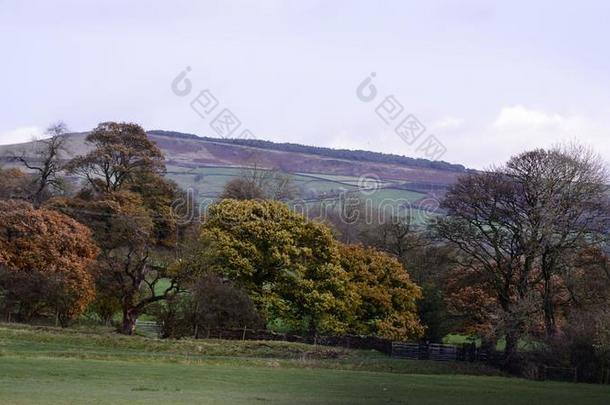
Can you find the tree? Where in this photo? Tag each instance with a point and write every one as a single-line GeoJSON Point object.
{"type": "Point", "coordinates": [210, 303]}
{"type": "Point", "coordinates": [13, 184]}
{"type": "Point", "coordinates": [121, 152]}
{"type": "Point", "coordinates": [397, 236]}
{"type": "Point", "coordinates": [520, 227]}
{"type": "Point", "coordinates": [128, 204]}
{"type": "Point", "coordinates": [480, 224]}
{"type": "Point", "coordinates": [427, 262]}
{"type": "Point", "coordinates": [564, 208]}
{"type": "Point", "coordinates": [133, 258]}
{"type": "Point", "coordinates": [242, 189]}
{"type": "Point", "coordinates": [288, 265]}
{"type": "Point", "coordinates": [387, 296]}
{"type": "Point", "coordinates": [46, 260]}
{"type": "Point", "coordinates": [588, 282]}
{"type": "Point", "coordinates": [259, 184]}
{"type": "Point", "coordinates": [45, 163]}
{"type": "Point", "coordinates": [473, 305]}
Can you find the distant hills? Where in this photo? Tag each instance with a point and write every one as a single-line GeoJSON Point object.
{"type": "Point", "coordinates": [205, 164]}
{"type": "Point", "coordinates": [357, 155]}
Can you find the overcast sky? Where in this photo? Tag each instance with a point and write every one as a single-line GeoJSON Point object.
{"type": "Point", "coordinates": [487, 80]}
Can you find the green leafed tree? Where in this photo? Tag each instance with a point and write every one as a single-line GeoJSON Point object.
{"type": "Point", "coordinates": [289, 266]}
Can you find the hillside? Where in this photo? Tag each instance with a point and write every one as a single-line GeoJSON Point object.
{"type": "Point", "coordinates": [206, 164]}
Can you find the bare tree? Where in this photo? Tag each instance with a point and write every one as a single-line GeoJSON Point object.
{"type": "Point", "coordinates": [480, 225]}
{"type": "Point", "coordinates": [521, 227]}
{"type": "Point", "coordinates": [396, 235]}
{"type": "Point", "coordinates": [241, 188]}
{"type": "Point", "coordinates": [564, 209]}
{"type": "Point", "coordinates": [260, 184]}
{"type": "Point", "coordinates": [45, 162]}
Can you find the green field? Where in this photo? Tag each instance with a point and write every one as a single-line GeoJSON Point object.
{"type": "Point", "coordinates": [48, 365]}
{"type": "Point", "coordinates": [312, 190]}
{"type": "Point", "coordinates": [209, 182]}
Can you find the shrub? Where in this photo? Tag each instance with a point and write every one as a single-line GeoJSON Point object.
{"type": "Point", "coordinates": [212, 303]}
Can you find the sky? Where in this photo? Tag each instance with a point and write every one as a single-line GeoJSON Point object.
{"type": "Point", "coordinates": [484, 80]}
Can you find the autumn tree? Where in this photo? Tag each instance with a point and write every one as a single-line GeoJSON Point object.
{"type": "Point", "coordinates": [128, 204]}
{"type": "Point", "coordinates": [289, 266]}
{"type": "Point", "coordinates": [14, 184]}
{"type": "Point", "coordinates": [387, 297]}
{"type": "Point", "coordinates": [587, 284]}
{"type": "Point", "coordinates": [427, 262]}
{"type": "Point", "coordinates": [46, 261]}
{"type": "Point", "coordinates": [472, 304]}
{"type": "Point", "coordinates": [121, 153]}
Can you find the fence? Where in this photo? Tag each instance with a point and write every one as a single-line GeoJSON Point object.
{"type": "Point", "coordinates": [467, 352]}
{"type": "Point", "coordinates": [148, 327]}
{"type": "Point", "coordinates": [347, 341]}
{"type": "Point", "coordinates": [402, 350]}
{"type": "Point", "coordinates": [566, 374]}
{"type": "Point", "coordinates": [438, 352]}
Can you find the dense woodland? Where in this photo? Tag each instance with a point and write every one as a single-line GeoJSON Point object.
{"type": "Point", "coordinates": [519, 261]}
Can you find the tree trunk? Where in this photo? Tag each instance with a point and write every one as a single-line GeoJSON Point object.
{"type": "Point", "coordinates": [130, 316]}
{"type": "Point", "coordinates": [549, 309]}
{"type": "Point", "coordinates": [488, 343]}
{"type": "Point", "coordinates": [510, 351]}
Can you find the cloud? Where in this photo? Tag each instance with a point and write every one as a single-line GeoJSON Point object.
{"type": "Point", "coordinates": [518, 128]}
{"type": "Point", "coordinates": [448, 123]}
{"type": "Point", "coordinates": [514, 129]}
{"type": "Point", "coordinates": [20, 135]}
{"type": "Point", "coordinates": [541, 128]}
{"type": "Point", "coordinates": [521, 118]}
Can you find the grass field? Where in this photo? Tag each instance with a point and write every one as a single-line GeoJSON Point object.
{"type": "Point", "coordinates": [209, 183]}
{"type": "Point", "coordinates": [52, 366]}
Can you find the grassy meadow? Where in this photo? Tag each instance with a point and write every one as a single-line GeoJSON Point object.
{"type": "Point", "coordinates": [42, 365]}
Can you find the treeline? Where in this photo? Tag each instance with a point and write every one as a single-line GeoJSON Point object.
{"type": "Point", "coordinates": [358, 155]}
{"type": "Point", "coordinates": [123, 243]}
{"type": "Point", "coordinates": [520, 260]}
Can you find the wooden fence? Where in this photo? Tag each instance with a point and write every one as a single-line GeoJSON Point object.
{"type": "Point", "coordinates": [401, 350]}
{"type": "Point", "coordinates": [438, 352]}
{"type": "Point", "coordinates": [148, 327]}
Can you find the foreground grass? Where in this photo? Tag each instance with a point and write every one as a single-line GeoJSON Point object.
{"type": "Point", "coordinates": [104, 344]}
{"type": "Point", "coordinates": [45, 365]}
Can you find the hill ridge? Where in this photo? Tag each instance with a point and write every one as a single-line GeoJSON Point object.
{"type": "Point", "coordinates": [348, 154]}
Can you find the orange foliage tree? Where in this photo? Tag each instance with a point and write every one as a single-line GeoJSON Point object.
{"type": "Point", "coordinates": [128, 204]}
{"type": "Point", "coordinates": [45, 262]}
{"type": "Point", "coordinates": [388, 297]}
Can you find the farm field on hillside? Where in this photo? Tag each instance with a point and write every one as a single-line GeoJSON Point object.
{"type": "Point", "coordinates": [208, 183]}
